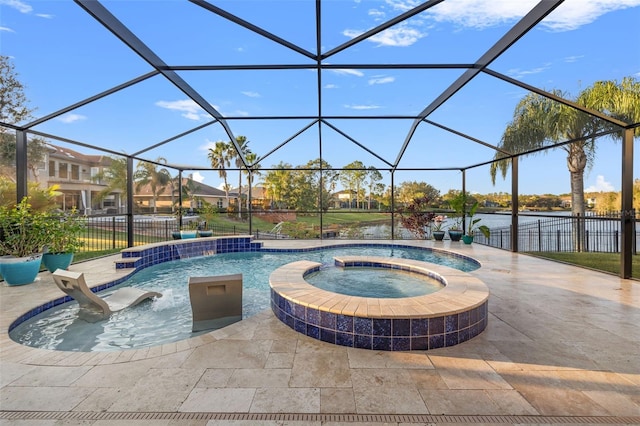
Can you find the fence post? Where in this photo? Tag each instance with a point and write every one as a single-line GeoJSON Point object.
{"type": "Point", "coordinates": [539, 236]}
{"type": "Point", "coordinates": [586, 240]}
{"type": "Point", "coordinates": [558, 239]}
{"type": "Point", "coordinates": [113, 232]}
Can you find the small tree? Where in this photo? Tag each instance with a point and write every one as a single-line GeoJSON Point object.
{"type": "Point", "coordinates": [417, 217]}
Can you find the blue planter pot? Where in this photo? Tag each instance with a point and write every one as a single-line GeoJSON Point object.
{"type": "Point", "coordinates": [205, 233]}
{"type": "Point", "coordinates": [20, 270]}
{"type": "Point", "coordinates": [188, 234]}
{"type": "Point", "coordinates": [54, 261]}
{"type": "Point", "coordinates": [467, 239]}
{"type": "Point", "coordinates": [455, 235]}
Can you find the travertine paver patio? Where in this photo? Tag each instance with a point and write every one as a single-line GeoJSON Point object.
{"type": "Point", "coordinates": [562, 346]}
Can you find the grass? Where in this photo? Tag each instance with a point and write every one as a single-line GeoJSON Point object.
{"type": "Point", "coordinates": [607, 262]}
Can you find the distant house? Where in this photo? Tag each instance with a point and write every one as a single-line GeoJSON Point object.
{"type": "Point", "coordinates": [168, 197]}
{"type": "Point", "coordinates": [77, 175]}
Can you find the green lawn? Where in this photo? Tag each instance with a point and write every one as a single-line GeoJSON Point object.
{"type": "Point", "coordinates": [607, 262]}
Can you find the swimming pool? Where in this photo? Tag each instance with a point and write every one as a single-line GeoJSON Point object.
{"type": "Point", "coordinates": [168, 319]}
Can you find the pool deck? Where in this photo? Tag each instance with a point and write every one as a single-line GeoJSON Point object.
{"type": "Point", "coordinates": [562, 345]}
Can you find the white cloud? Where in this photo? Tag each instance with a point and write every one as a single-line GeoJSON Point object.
{"type": "Point", "coordinates": [400, 36]}
{"type": "Point", "coordinates": [345, 71]}
{"type": "Point", "coordinates": [189, 108]}
{"type": "Point", "coordinates": [71, 118]}
{"type": "Point", "coordinates": [570, 15]}
{"type": "Point", "coordinates": [9, 30]}
{"type": "Point", "coordinates": [44, 15]}
{"type": "Point", "coordinates": [251, 94]}
{"type": "Point", "coordinates": [403, 5]}
{"type": "Point", "coordinates": [600, 186]}
{"type": "Point", "coordinates": [20, 6]}
{"type": "Point", "coordinates": [197, 177]}
{"type": "Point", "coordinates": [330, 86]}
{"type": "Point", "coordinates": [362, 107]}
{"type": "Point", "coordinates": [376, 14]}
{"type": "Point", "coordinates": [574, 58]}
{"type": "Point", "coordinates": [518, 73]}
{"type": "Point", "coordinates": [381, 80]}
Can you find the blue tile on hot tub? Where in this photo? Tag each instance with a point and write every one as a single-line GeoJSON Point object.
{"type": "Point", "coordinates": [436, 341]}
{"type": "Point", "coordinates": [401, 344]}
{"type": "Point", "coordinates": [451, 339]}
{"type": "Point", "coordinates": [362, 342]}
{"type": "Point", "coordinates": [451, 323]}
{"type": "Point", "coordinates": [299, 312]}
{"type": "Point", "coordinates": [419, 326]}
{"type": "Point", "coordinates": [464, 335]}
{"type": "Point", "coordinates": [313, 316]}
{"type": "Point", "coordinates": [313, 331]}
{"type": "Point", "coordinates": [344, 339]}
{"type": "Point", "coordinates": [436, 325]}
{"type": "Point", "coordinates": [328, 336]}
{"type": "Point", "coordinates": [328, 320]}
{"type": "Point", "coordinates": [401, 327]}
{"type": "Point", "coordinates": [381, 327]}
{"type": "Point", "coordinates": [362, 326]}
{"type": "Point", "coordinates": [300, 326]}
{"type": "Point", "coordinates": [344, 323]}
{"type": "Point", "coordinates": [463, 319]}
{"type": "Point", "coordinates": [419, 343]}
{"type": "Point", "coordinates": [381, 343]}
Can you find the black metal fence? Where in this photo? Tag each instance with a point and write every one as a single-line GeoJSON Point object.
{"type": "Point", "coordinates": [595, 232]}
{"type": "Point", "coordinates": [590, 233]}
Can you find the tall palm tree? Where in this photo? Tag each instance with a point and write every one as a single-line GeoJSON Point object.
{"type": "Point", "coordinates": [157, 179]}
{"type": "Point", "coordinates": [541, 122]}
{"type": "Point", "coordinates": [115, 175]}
{"type": "Point", "coordinates": [252, 159]}
{"type": "Point", "coordinates": [243, 144]}
{"type": "Point", "coordinates": [219, 158]}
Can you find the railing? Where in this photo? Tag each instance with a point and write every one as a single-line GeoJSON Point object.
{"type": "Point", "coordinates": [591, 233]}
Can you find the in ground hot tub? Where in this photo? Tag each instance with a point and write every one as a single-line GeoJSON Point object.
{"type": "Point", "coordinates": [452, 315]}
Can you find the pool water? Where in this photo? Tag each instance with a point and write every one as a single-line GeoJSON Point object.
{"type": "Point", "coordinates": [168, 319]}
{"type": "Point", "coordinates": [373, 282]}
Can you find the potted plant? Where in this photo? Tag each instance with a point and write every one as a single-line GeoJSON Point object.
{"type": "Point", "coordinates": [64, 240]}
{"type": "Point", "coordinates": [457, 205]}
{"type": "Point", "coordinates": [416, 217]}
{"type": "Point", "coordinates": [208, 213]}
{"type": "Point", "coordinates": [473, 226]}
{"type": "Point", "coordinates": [23, 235]}
{"type": "Point", "coordinates": [437, 228]}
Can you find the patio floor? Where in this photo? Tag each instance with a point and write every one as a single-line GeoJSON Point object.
{"type": "Point", "coordinates": [562, 345]}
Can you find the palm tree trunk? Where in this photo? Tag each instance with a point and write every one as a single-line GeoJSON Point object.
{"type": "Point", "coordinates": [577, 162]}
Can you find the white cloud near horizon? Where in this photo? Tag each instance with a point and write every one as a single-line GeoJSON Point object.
{"type": "Point", "coordinates": [345, 71]}
{"type": "Point", "coordinates": [601, 185]}
{"type": "Point", "coordinates": [251, 94]}
{"type": "Point", "coordinates": [6, 29]}
{"type": "Point", "coordinates": [480, 14]}
{"type": "Point", "coordinates": [381, 79]}
{"type": "Point", "coordinates": [187, 107]}
{"type": "Point", "coordinates": [71, 118]}
{"type": "Point", "coordinates": [20, 6]}
{"type": "Point", "coordinates": [400, 36]}
{"type": "Point", "coordinates": [362, 107]}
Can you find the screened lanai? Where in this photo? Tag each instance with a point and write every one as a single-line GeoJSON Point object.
{"type": "Point", "coordinates": [417, 91]}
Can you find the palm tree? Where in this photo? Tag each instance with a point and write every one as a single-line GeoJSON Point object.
{"type": "Point", "coordinates": [276, 183]}
{"type": "Point", "coordinates": [149, 174]}
{"type": "Point", "coordinates": [243, 144]}
{"type": "Point", "coordinates": [252, 159]}
{"type": "Point", "coordinates": [219, 158]}
{"type": "Point", "coordinates": [541, 122]}
{"type": "Point", "coordinates": [115, 175]}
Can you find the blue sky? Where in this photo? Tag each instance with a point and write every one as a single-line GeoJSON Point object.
{"type": "Point", "coordinates": [63, 56]}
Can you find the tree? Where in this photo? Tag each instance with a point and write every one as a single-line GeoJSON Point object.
{"type": "Point", "coordinates": [243, 144]}
{"type": "Point", "coordinates": [276, 183]}
{"type": "Point", "coordinates": [36, 152]}
{"type": "Point", "coordinates": [220, 160]}
{"type": "Point", "coordinates": [157, 179]}
{"type": "Point", "coordinates": [408, 191]}
{"type": "Point", "coordinates": [374, 176]}
{"type": "Point", "coordinates": [13, 102]}
{"type": "Point", "coordinates": [252, 159]}
{"type": "Point", "coordinates": [352, 178]}
{"type": "Point", "coordinates": [115, 175]}
{"type": "Point", "coordinates": [541, 122]}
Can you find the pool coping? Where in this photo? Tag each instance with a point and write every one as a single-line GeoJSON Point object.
{"type": "Point", "coordinates": [447, 317]}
